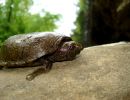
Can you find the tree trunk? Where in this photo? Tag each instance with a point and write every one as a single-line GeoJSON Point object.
{"type": "Point", "coordinates": [108, 21]}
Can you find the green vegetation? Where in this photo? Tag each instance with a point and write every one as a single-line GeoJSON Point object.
{"type": "Point", "coordinates": [81, 22]}
{"type": "Point", "coordinates": [15, 18]}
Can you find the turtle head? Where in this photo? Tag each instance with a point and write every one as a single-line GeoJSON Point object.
{"type": "Point", "coordinates": [67, 51]}
{"type": "Point", "coordinates": [70, 48]}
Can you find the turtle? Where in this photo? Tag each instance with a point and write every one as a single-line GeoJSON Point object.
{"type": "Point", "coordinates": [38, 49]}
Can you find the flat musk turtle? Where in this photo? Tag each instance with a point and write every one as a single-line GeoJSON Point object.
{"type": "Point", "coordinates": [37, 49]}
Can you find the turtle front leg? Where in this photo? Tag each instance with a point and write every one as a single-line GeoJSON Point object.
{"type": "Point", "coordinates": [39, 71]}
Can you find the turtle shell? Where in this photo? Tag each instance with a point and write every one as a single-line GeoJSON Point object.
{"type": "Point", "coordinates": [24, 48]}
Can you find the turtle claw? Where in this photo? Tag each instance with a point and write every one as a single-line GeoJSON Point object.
{"type": "Point", "coordinates": [37, 72]}
{"type": "Point", "coordinates": [30, 77]}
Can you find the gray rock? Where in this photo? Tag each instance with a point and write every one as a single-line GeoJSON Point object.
{"type": "Point", "coordinates": [98, 73]}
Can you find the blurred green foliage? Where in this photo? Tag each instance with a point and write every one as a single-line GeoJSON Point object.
{"type": "Point", "coordinates": [15, 18]}
{"type": "Point", "coordinates": [81, 21]}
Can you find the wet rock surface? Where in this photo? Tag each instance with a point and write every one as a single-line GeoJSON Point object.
{"type": "Point", "coordinates": [98, 73]}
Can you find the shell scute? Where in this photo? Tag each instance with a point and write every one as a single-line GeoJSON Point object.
{"type": "Point", "coordinates": [26, 48]}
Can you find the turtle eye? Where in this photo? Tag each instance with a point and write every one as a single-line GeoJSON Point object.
{"type": "Point", "coordinates": [71, 47]}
